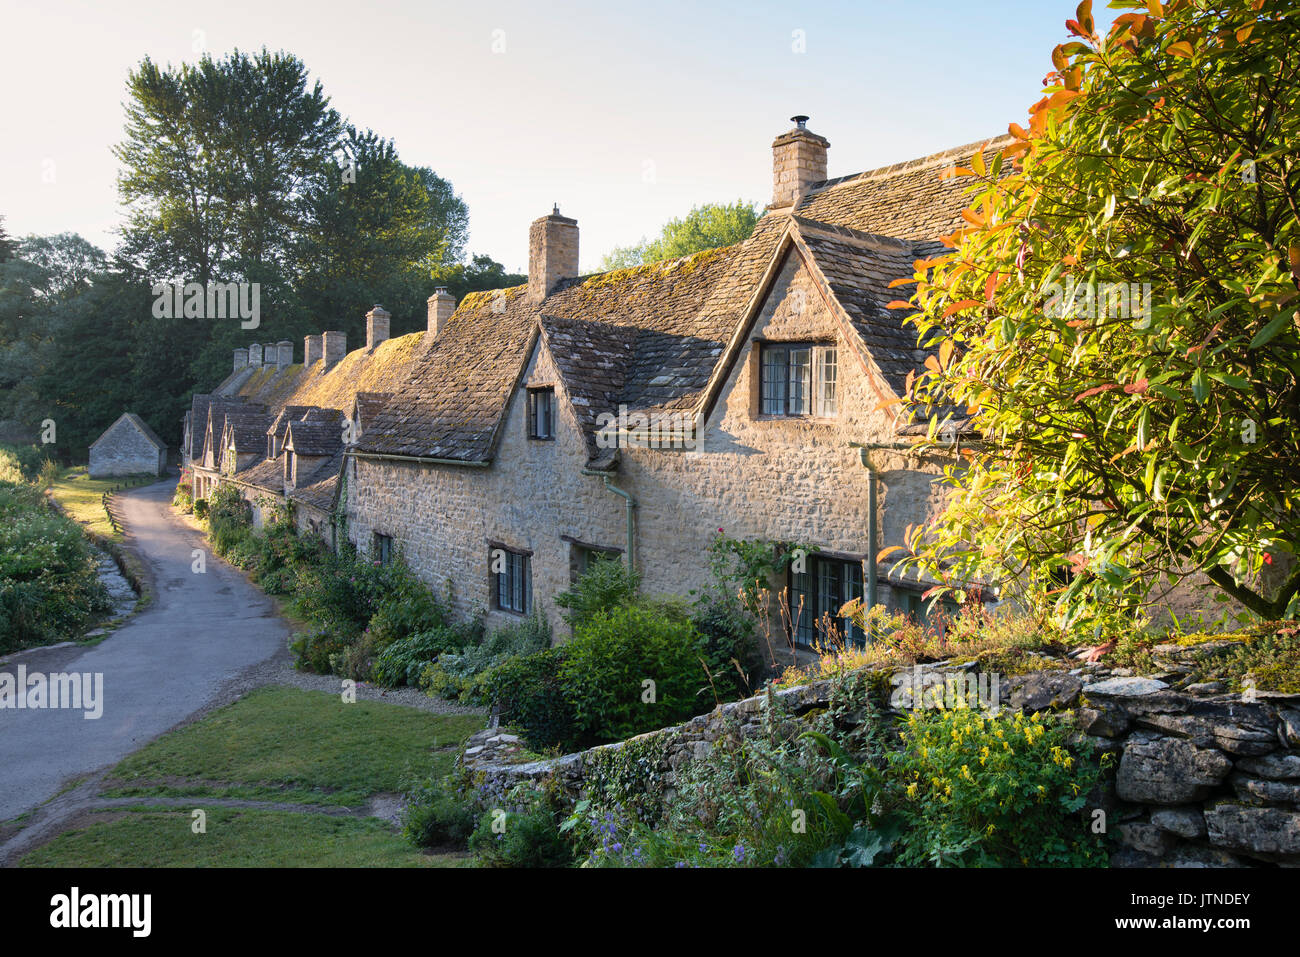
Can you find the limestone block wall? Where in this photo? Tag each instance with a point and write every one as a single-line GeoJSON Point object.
{"type": "Point", "coordinates": [122, 450]}
{"type": "Point", "coordinates": [1202, 779]}
{"type": "Point", "coordinates": [754, 476]}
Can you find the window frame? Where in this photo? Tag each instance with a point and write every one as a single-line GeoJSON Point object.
{"type": "Point", "coordinates": [535, 406]}
{"type": "Point", "coordinates": [796, 389]}
{"type": "Point", "coordinates": [824, 593]}
{"type": "Point", "coordinates": [516, 581]}
{"type": "Point", "coordinates": [381, 547]}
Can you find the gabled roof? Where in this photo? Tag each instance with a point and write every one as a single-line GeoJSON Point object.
{"type": "Point", "coordinates": [321, 486]}
{"type": "Point", "coordinates": [247, 429]}
{"type": "Point", "coordinates": [368, 404]}
{"type": "Point", "coordinates": [139, 424]}
{"type": "Point", "coordinates": [280, 424]}
{"type": "Point", "coordinates": [657, 337]}
{"type": "Point", "coordinates": [909, 200]}
{"type": "Point", "coordinates": [313, 438]}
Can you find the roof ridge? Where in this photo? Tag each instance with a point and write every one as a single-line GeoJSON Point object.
{"type": "Point", "coordinates": [857, 237]}
{"type": "Point", "coordinates": [907, 166]}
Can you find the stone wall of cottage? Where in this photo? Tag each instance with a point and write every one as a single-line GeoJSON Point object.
{"type": "Point", "coordinates": [1201, 779]}
{"type": "Point", "coordinates": [122, 450]}
{"type": "Point", "coordinates": [753, 477]}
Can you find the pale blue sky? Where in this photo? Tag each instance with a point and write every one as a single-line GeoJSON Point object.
{"type": "Point", "coordinates": [624, 114]}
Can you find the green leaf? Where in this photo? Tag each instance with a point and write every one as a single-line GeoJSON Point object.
{"type": "Point", "coordinates": [1200, 386]}
{"type": "Point", "coordinates": [1264, 335]}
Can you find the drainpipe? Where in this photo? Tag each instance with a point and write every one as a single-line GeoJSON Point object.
{"type": "Point", "coordinates": [631, 506]}
{"type": "Point", "coordinates": [872, 548]}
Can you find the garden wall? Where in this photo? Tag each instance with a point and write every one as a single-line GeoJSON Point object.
{"type": "Point", "coordinates": [1202, 778]}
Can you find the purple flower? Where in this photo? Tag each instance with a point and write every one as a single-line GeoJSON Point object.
{"type": "Point", "coordinates": [739, 853]}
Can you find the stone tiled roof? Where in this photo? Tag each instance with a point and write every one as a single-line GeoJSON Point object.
{"type": "Point", "coordinates": [143, 426]}
{"type": "Point", "coordinates": [593, 360]}
{"type": "Point", "coordinates": [908, 200]}
{"type": "Point", "coordinates": [321, 486]}
{"type": "Point", "coordinates": [267, 474]}
{"type": "Point", "coordinates": [247, 428]}
{"type": "Point", "coordinates": [314, 437]}
{"type": "Point", "coordinates": [651, 337]}
{"type": "Point", "coordinates": [858, 268]}
{"type": "Point", "coordinates": [280, 424]}
{"type": "Point", "coordinates": [208, 411]}
{"type": "Point", "coordinates": [368, 405]}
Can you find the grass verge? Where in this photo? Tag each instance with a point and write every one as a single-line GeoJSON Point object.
{"type": "Point", "coordinates": [233, 837]}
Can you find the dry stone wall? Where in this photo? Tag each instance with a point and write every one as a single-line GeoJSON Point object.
{"type": "Point", "coordinates": [1202, 778]}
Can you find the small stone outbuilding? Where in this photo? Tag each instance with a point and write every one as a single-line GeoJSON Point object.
{"type": "Point", "coordinates": [128, 447]}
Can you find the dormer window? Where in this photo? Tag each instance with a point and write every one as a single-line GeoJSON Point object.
{"type": "Point", "coordinates": [541, 413]}
{"type": "Point", "coordinates": [798, 379]}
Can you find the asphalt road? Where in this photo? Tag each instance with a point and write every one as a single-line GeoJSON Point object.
{"type": "Point", "coordinates": [161, 666]}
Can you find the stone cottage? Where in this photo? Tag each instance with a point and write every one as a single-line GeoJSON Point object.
{"type": "Point", "coordinates": [744, 391]}
{"type": "Point", "coordinates": [128, 447]}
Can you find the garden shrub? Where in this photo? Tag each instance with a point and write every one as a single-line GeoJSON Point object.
{"type": "Point", "coordinates": [403, 661]}
{"type": "Point", "coordinates": [971, 789]}
{"type": "Point", "coordinates": [461, 673]}
{"type": "Point", "coordinates": [526, 832]}
{"type": "Point", "coordinates": [607, 584]}
{"type": "Point", "coordinates": [436, 815]}
{"type": "Point", "coordinates": [49, 589]}
{"type": "Point", "coordinates": [611, 656]}
{"type": "Point", "coordinates": [21, 463]}
{"type": "Point", "coordinates": [201, 508]}
{"type": "Point", "coordinates": [530, 695]}
{"type": "Point", "coordinates": [757, 801]}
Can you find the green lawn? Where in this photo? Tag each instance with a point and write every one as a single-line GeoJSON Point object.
{"type": "Point", "coordinates": [233, 838]}
{"type": "Point", "coordinates": [81, 497]}
{"type": "Point", "coordinates": [284, 744]}
{"type": "Point", "coordinates": [277, 744]}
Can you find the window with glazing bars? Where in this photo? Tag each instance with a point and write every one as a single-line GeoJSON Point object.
{"type": "Point", "coordinates": [797, 379]}
{"type": "Point", "coordinates": [818, 593]}
{"type": "Point", "coordinates": [514, 584]}
{"type": "Point", "coordinates": [541, 413]}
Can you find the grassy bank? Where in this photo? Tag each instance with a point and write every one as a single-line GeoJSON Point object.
{"type": "Point", "coordinates": [303, 750]}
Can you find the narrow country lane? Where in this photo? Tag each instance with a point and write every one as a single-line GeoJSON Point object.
{"type": "Point", "coordinates": [161, 666]}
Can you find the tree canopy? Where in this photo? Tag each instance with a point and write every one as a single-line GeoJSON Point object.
{"type": "Point", "coordinates": [233, 170]}
{"type": "Point", "coordinates": [704, 227]}
{"type": "Point", "coordinates": [1118, 320]}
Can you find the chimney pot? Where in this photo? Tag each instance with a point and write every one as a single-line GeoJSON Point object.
{"type": "Point", "coordinates": [798, 161]}
{"type": "Point", "coordinates": [283, 354]}
{"type": "Point", "coordinates": [441, 305]}
{"type": "Point", "coordinates": [255, 355]}
{"type": "Point", "coordinates": [241, 359]}
{"type": "Point", "coordinates": [552, 253]}
{"type": "Point", "coordinates": [377, 321]}
{"type": "Point", "coordinates": [312, 350]}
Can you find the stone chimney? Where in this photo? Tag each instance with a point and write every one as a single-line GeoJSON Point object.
{"type": "Point", "coordinates": [336, 347]}
{"type": "Point", "coordinates": [283, 354]}
{"type": "Point", "coordinates": [268, 353]}
{"type": "Point", "coordinates": [255, 355]}
{"type": "Point", "coordinates": [798, 161]}
{"type": "Point", "coordinates": [552, 253]}
{"type": "Point", "coordinates": [376, 326]}
{"type": "Point", "coordinates": [441, 305]}
{"type": "Point", "coordinates": [241, 359]}
{"type": "Point", "coordinates": [313, 347]}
